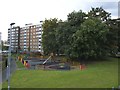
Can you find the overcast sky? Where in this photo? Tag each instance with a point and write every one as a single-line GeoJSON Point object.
{"type": "Point", "coordinates": [32, 11]}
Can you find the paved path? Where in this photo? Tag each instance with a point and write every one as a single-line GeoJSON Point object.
{"type": "Point", "coordinates": [4, 74]}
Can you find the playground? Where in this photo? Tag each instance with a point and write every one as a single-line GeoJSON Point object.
{"type": "Point", "coordinates": [41, 63]}
{"type": "Point", "coordinates": [98, 74]}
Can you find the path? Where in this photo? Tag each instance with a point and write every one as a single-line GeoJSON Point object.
{"type": "Point", "coordinates": [3, 74]}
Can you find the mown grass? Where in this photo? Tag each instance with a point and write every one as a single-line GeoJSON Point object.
{"type": "Point", "coordinates": [20, 64]}
{"type": "Point", "coordinates": [101, 74]}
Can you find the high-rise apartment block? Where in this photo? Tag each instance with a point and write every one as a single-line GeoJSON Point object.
{"type": "Point", "coordinates": [15, 41]}
{"type": "Point", "coordinates": [26, 38]}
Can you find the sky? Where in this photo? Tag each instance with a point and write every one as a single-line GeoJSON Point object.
{"type": "Point", "coordinates": [23, 12]}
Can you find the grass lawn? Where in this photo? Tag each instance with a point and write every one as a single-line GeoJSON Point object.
{"type": "Point", "coordinates": [19, 64]}
{"type": "Point", "coordinates": [102, 74]}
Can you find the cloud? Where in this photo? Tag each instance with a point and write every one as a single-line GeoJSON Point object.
{"type": "Point", "coordinates": [111, 7]}
{"type": "Point", "coordinates": [32, 11]}
{"type": "Point", "coordinates": [119, 9]}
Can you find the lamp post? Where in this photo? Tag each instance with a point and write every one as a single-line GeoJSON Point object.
{"type": "Point", "coordinates": [41, 37]}
{"type": "Point", "coordinates": [9, 57]}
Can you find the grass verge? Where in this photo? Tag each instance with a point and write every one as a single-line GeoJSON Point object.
{"type": "Point", "coordinates": [102, 74]}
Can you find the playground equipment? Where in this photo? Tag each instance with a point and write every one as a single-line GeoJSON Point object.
{"type": "Point", "coordinates": [46, 60]}
{"type": "Point", "coordinates": [26, 64]}
{"type": "Point", "coordinates": [82, 66]}
{"type": "Point", "coordinates": [49, 63]}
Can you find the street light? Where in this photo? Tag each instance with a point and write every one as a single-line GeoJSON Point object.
{"type": "Point", "coordinates": [9, 57]}
{"type": "Point", "coordinates": [29, 24]}
{"type": "Point", "coordinates": [41, 37]}
{"type": "Point", "coordinates": [41, 21]}
{"type": "Point", "coordinates": [12, 24]}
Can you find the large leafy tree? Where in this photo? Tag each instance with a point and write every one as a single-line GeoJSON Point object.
{"type": "Point", "coordinates": [99, 13]}
{"type": "Point", "coordinates": [90, 40]}
{"type": "Point", "coordinates": [112, 35]}
{"type": "Point", "coordinates": [112, 24]}
{"type": "Point", "coordinates": [76, 18]}
{"type": "Point", "coordinates": [118, 34]}
{"type": "Point", "coordinates": [82, 35]}
{"type": "Point", "coordinates": [66, 29]}
{"type": "Point", "coordinates": [48, 38]}
{"type": "Point", "coordinates": [62, 36]}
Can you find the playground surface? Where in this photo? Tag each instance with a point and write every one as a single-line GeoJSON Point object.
{"type": "Point", "coordinates": [48, 63]}
{"type": "Point", "coordinates": [98, 74]}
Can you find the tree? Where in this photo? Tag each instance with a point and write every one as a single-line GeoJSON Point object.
{"type": "Point", "coordinates": [112, 35]}
{"type": "Point", "coordinates": [82, 35]}
{"type": "Point", "coordinates": [99, 13]}
{"type": "Point", "coordinates": [66, 29]}
{"type": "Point", "coordinates": [76, 18]}
{"type": "Point", "coordinates": [63, 33]}
{"type": "Point", "coordinates": [48, 38]}
{"type": "Point", "coordinates": [90, 40]}
{"type": "Point", "coordinates": [3, 46]}
{"type": "Point", "coordinates": [118, 34]}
